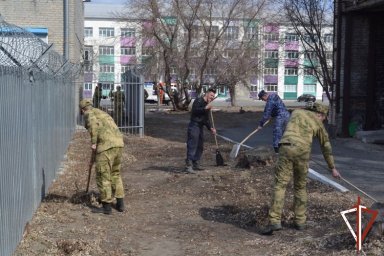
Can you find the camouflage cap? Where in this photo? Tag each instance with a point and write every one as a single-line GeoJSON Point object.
{"type": "Point", "coordinates": [85, 103]}
{"type": "Point", "coordinates": [319, 108]}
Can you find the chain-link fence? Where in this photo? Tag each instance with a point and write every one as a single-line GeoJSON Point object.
{"type": "Point", "coordinates": [37, 95]}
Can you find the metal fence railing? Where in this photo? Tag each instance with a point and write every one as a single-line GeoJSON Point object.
{"type": "Point", "coordinates": [127, 107]}
{"type": "Point", "coordinates": [38, 110]}
{"type": "Point", "coordinates": [36, 128]}
{"type": "Point", "coordinates": [38, 118]}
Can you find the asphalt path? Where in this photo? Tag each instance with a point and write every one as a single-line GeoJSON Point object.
{"type": "Point", "coordinates": [360, 164]}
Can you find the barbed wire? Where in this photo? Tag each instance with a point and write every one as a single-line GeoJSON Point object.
{"type": "Point", "coordinates": [21, 48]}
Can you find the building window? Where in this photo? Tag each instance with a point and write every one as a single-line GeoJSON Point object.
{"type": "Point", "coordinates": [290, 88]}
{"type": "Point", "coordinates": [253, 88]}
{"type": "Point", "coordinates": [106, 32]}
{"type": "Point", "coordinates": [271, 37]}
{"type": "Point", "coordinates": [128, 32]}
{"type": "Point", "coordinates": [88, 54]}
{"type": "Point", "coordinates": [210, 71]}
{"type": "Point", "coordinates": [312, 56]}
{"type": "Point", "coordinates": [128, 50]}
{"type": "Point", "coordinates": [271, 54]}
{"type": "Point", "coordinates": [251, 33]}
{"type": "Point", "coordinates": [87, 86]}
{"type": "Point", "coordinates": [252, 54]}
{"type": "Point", "coordinates": [230, 53]}
{"type": "Point", "coordinates": [291, 54]}
{"type": "Point", "coordinates": [328, 38]}
{"type": "Point", "coordinates": [289, 37]}
{"type": "Point", "coordinates": [309, 71]}
{"type": "Point", "coordinates": [125, 68]}
{"type": "Point", "coordinates": [214, 31]}
{"type": "Point", "coordinates": [231, 33]}
{"type": "Point", "coordinates": [195, 31]}
{"type": "Point", "coordinates": [270, 87]}
{"type": "Point", "coordinates": [88, 67]}
{"type": "Point", "coordinates": [329, 55]}
{"type": "Point", "coordinates": [88, 32]}
{"type": "Point", "coordinates": [107, 87]}
{"type": "Point", "coordinates": [270, 71]}
{"type": "Point", "coordinates": [310, 38]}
{"type": "Point", "coordinates": [309, 88]}
{"type": "Point", "coordinates": [290, 71]}
{"type": "Point", "coordinates": [107, 68]}
{"type": "Point", "coordinates": [106, 50]}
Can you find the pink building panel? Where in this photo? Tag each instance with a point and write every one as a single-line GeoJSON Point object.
{"type": "Point", "coordinates": [271, 45]}
{"type": "Point", "coordinates": [271, 28]}
{"type": "Point", "coordinates": [128, 41]}
{"type": "Point", "coordinates": [149, 42]}
{"type": "Point", "coordinates": [291, 63]}
{"type": "Point", "coordinates": [291, 46]}
{"type": "Point", "coordinates": [254, 80]}
{"type": "Point", "coordinates": [147, 25]}
{"type": "Point", "coordinates": [127, 60]}
{"type": "Point", "coordinates": [270, 79]}
{"type": "Point", "coordinates": [88, 77]}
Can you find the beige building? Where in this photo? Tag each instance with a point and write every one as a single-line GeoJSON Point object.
{"type": "Point", "coordinates": [57, 22]}
{"type": "Point", "coordinates": [60, 22]}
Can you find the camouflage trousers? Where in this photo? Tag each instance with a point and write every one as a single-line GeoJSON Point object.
{"type": "Point", "coordinates": [293, 160]}
{"type": "Point", "coordinates": [279, 128]}
{"type": "Point", "coordinates": [118, 114]}
{"type": "Point", "coordinates": [108, 177]}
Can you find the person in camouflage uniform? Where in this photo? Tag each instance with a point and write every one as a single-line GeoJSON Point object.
{"type": "Point", "coordinates": [107, 143]}
{"type": "Point", "coordinates": [118, 106]}
{"type": "Point", "coordinates": [274, 108]}
{"type": "Point", "coordinates": [295, 149]}
{"type": "Point", "coordinates": [97, 95]}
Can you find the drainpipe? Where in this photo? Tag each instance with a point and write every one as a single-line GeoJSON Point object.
{"type": "Point", "coordinates": [66, 32]}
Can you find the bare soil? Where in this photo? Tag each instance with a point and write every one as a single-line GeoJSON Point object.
{"type": "Point", "coordinates": [218, 211]}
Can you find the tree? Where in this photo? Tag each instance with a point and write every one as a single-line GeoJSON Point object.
{"type": "Point", "coordinates": [196, 35]}
{"type": "Point", "coordinates": [311, 20]}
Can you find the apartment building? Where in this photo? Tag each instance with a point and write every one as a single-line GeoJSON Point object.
{"type": "Point", "coordinates": [113, 46]}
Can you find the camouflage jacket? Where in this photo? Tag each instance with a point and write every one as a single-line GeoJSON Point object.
{"type": "Point", "coordinates": [302, 127]}
{"type": "Point", "coordinates": [119, 97]}
{"type": "Point", "coordinates": [103, 130]}
{"type": "Point", "coordinates": [274, 108]}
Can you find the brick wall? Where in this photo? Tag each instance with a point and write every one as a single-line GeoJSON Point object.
{"type": "Point", "coordinates": [48, 14]}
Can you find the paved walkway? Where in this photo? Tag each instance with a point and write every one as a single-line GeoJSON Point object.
{"type": "Point", "coordinates": [361, 164]}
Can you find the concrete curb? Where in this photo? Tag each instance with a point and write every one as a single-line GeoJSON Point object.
{"type": "Point", "coordinates": [312, 174]}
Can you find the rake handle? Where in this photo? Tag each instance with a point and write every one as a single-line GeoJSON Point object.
{"type": "Point", "coordinates": [213, 125]}
{"type": "Point", "coordinates": [249, 135]}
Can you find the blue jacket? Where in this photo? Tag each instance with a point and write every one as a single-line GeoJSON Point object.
{"type": "Point", "coordinates": [274, 108]}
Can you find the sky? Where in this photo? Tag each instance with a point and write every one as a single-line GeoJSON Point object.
{"type": "Point", "coordinates": [109, 1]}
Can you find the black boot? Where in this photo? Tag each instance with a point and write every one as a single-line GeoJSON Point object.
{"type": "Point", "coordinates": [196, 166]}
{"type": "Point", "coordinates": [106, 209]}
{"type": "Point", "coordinates": [120, 204]}
{"type": "Point", "coordinates": [188, 167]}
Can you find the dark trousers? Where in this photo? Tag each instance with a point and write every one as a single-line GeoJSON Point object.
{"type": "Point", "coordinates": [195, 141]}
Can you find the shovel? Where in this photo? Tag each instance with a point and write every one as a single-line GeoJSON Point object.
{"type": "Point", "coordinates": [236, 147]}
{"type": "Point", "coordinates": [219, 157]}
{"type": "Point", "coordinates": [90, 169]}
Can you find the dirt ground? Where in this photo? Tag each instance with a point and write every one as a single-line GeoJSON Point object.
{"type": "Point", "coordinates": [218, 211]}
